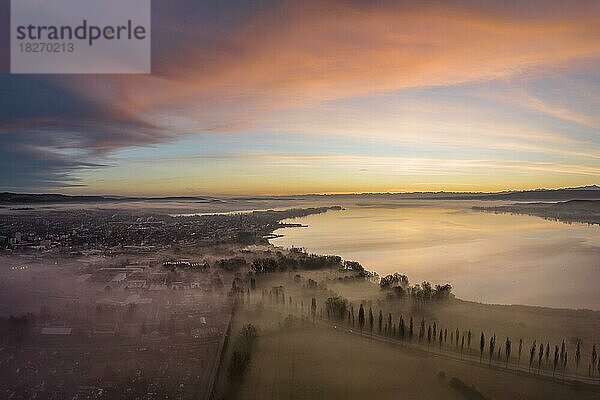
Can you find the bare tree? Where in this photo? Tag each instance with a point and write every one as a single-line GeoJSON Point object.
{"type": "Point", "coordinates": [520, 350]}
{"type": "Point", "coordinates": [532, 353]}
{"type": "Point", "coordinates": [492, 347]}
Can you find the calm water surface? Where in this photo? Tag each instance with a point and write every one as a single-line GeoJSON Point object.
{"type": "Point", "coordinates": [494, 258]}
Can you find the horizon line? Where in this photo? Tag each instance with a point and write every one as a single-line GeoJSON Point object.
{"type": "Point", "coordinates": [584, 187]}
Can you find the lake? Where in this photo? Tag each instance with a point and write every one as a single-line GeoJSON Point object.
{"type": "Point", "coordinates": [487, 257]}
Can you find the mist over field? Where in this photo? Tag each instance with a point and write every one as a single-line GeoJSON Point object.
{"type": "Point", "coordinates": [178, 299]}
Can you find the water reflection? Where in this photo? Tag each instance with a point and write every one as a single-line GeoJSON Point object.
{"type": "Point", "coordinates": [494, 258]}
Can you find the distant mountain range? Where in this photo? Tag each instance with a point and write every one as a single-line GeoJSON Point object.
{"type": "Point", "coordinates": [589, 187]}
{"type": "Point", "coordinates": [575, 193]}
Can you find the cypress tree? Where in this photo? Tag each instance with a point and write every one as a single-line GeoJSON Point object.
{"type": "Point", "coordinates": [402, 328]}
{"type": "Point", "coordinates": [541, 354]}
{"type": "Point", "coordinates": [361, 318]}
{"type": "Point", "coordinates": [481, 346]}
{"type": "Point", "coordinates": [507, 349]}
{"type": "Point", "coordinates": [577, 357]}
{"type": "Point", "coordinates": [428, 335]}
{"type": "Point", "coordinates": [555, 359]}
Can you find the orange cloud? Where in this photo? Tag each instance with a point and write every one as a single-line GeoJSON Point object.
{"type": "Point", "coordinates": [313, 51]}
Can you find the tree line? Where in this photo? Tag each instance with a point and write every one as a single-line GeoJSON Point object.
{"type": "Point", "coordinates": [555, 358]}
{"type": "Point", "coordinates": [304, 261]}
{"type": "Point", "coordinates": [400, 285]}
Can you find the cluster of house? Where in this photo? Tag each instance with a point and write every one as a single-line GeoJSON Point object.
{"type": "Point", "coordinates": [143, 277]}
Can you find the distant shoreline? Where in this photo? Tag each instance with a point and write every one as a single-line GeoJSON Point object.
{"type": "Point", "coordinates": [587, 192]}
{"type": "Point", "coordinates": [572, 211]}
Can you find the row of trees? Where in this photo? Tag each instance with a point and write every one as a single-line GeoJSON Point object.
{"type": "Point", "coordinates": [556, 358]}
{"type": "Point", "coordinates": [298, 261]}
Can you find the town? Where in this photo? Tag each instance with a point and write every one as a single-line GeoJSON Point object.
{"type": "Point", "coordinates": [114, 231]}
{"type": "Point", "coordinates": [103, 305]}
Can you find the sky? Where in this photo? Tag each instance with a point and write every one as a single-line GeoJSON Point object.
{"type": "Point", "coordinates": [290, 97]}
